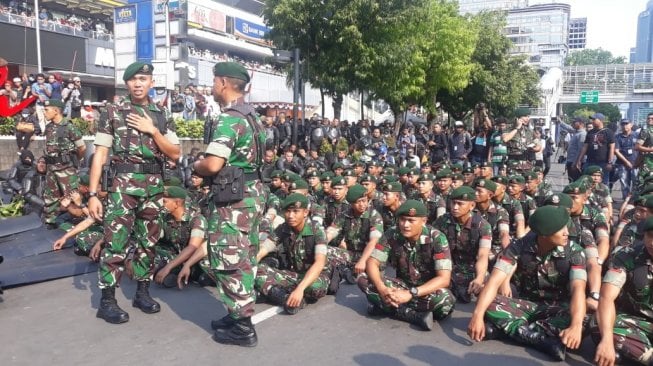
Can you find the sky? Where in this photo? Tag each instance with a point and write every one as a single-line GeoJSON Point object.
{"type": "Point", "coordinates": [611, 24]}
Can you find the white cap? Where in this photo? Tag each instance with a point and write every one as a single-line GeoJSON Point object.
{"type": "Point", "coordinates": [17, 80]}
{"type": "Point", "coordinates": [459, 124]}
{"type": "Point", "coordinates": [76, 78]}
{"type": "Point", "coordinates": [87, 102]}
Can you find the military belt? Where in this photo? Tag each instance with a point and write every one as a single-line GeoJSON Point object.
{"type": "Point", "coordinates": [146, 168]}
{"type": "Point", "coordinates": [63, 159]}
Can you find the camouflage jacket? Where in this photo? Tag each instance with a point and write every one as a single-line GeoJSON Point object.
{"type": "Point", "coordinates": [298, 250]}
{"type": "Point", "coordinates": [646, 139]}
{"type": "Point", "coordinates": [433, 202]}
{"type": "Point", "coordinates": [600, 196]}
{"type": "Point", "coordinates": [334, 210]}
{"type": "Point", "coordinates": [518, 144]}
{"type": "Point", "coordinates": [416, 263]}
{"type": "Point", "coordinates": [592, 219]}
{"type": "Point", "coordinates": [465, 240]}
{"type": "Point", "coordinates": [514, 209]}
{"type": "Point", "coordinates": [61, 139]}
{"type": "Point", "coordinates": [193, 224]}
{"type": "Point", "coordinates": [631, 270]}
{"type": "Point", "coordinates": [499, 220]}
{"type": "Point", "coordinates": [583, 236]}
{"type": "Point", "coordinates": [356, 231]}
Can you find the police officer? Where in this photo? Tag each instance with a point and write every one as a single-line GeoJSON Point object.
{"type": "Point", "coordinates": [236, 145]}
{"type": "Point", "coordinates": [548, 314]}
{"type": "Point", "coordinates": [141, 138]}
{"type": "Point", "coordinates": [64, 147]}
{"type": "Point", "coordinates": [421, 257]}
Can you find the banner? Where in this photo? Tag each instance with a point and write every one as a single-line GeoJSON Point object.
{"type": "Point", "coordinates": [125, 14]}
{"type": "Point", "coordinates": [249, 30]}
{"type": "Point", "coordinates": [207, 18]}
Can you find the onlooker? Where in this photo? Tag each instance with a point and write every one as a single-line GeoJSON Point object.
{"type": "Point", "coordinates": [599, 147]}
{"type": "Point", "coordinates": [27, 126]}
{"type": "Point", "coordinates": [460, 144]}
{"type": "Point", "coordinates": [90, 116]}
{"type": "Point", "coordinates": [72, 97]}
{"type": "Point", "coordinates": [56, 83]}
{"type": "Point", "coordinates": [626, 156]}
{"type": "Point", "coordinates": [42, 91]}
{"type": "Point", "coordinates": [10, 93]}
{"type": "Point", "coordinates": [577, 135]}
{"type": "Point", "coordinates": [189, 104]}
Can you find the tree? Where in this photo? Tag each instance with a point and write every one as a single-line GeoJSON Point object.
{"type": "Point", "coordinates": [498, 79]}
{"type": "Point", "coordinates": [611, 112]}
{"type": "Point", "coordinates": [591, 56]}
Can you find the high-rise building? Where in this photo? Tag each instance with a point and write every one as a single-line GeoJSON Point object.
{"type": "Point", "coordinates": [541, 32]}
{"type": "Point", "coordinates": [577, 33]}
{"type": "Point", "coordinates": [644, 46]}
{"type": "Point", "coordinates": [476, 6]}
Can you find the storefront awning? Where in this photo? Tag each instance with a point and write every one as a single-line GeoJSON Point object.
{"type": "Point", "coordinates": [91, 79]}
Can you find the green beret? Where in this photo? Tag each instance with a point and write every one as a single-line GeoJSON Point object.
{"type": "Point", "coordinates": [559, 199]}
{"type": "Point", "coordinates": [457, 167]}
{"type": "Point", "coordinates": [392, 187]}
{"type": "Point", "coordinates": [137, 67]}
{"type": "Point", "coordinates": [487, 184]}
{"type": "Point", "coordinates": [575, 188]}
{"type": "Point", "coordinates": [468, 170]}
{"type": "Point", "coordinates": [592, 169]}
{"type": "Point", "coordinates": [645, 201]}
{"type": "Point", "coordinates": [648, 224]}
{"type": "Point", "coordinates": [586, 181]}
{"type": "Point", "coordinates": [389, 170]}
{"type": "Point", "coordinates": [499, 179]}
{"type": "Point", "coordinates": [359, 164]}
{"type": "Point", "coordinates": [326, 177]}
{"type": "Point", "coordinates": [444, 173]}
{"type": "Point", "coordinates": [349, 173]}
{"type": "Point", "coordinates": [84, 179]}
{"type": "Point", "coordinates": [522, 112]}
{"type": "Point", "coordinates": [355, 192]}
{"type": "Point", "coordinates": [516, 179]}
{"type": "Point", "coordinates": [289, 176]}
{"type": "Point", "coordinates": [172, 181]}
{"type": "Point", "coordinates": [294, 200]}
{"type": "Point", "coordinates": [486, 164]}
{"type": "Point", "coordinates": [457, 176]}
{"type": "Point", "coordinates": [338, 181]}
{"type": "Point", "coordinates": [276, 174]}
{"type": "Point", "coordinates": [231, 70]}
{"type": "Point", "coordinates": [366, 178]}
{"type": "Point", "coordinates": [404, 170]}
{"type": "Point", "coordinates": [411, 164]}
{"type": "Point", "coordinates": [389, 179]}
{"type": "Point", "coordinates": [463, 193]}
{"type": "Point", "coordinates": [374, 163]}
{"type": "Point", "coordinates": [337, 165]}
{"type": "Point", "coordinates": [415, 171]}
{"type": "Point", "coordinates": [412, 208]}
{"type": "Point", "coordinates": [548, 220]}
{"type": "Point", "coordinates": [426, 177]}
{"type": "Point", "coordinates": [529, 176]}
{"type": "Point", "coordinates": [538, 169]}
{"type": "Point", "coordinates": [176, 192]}
{"type": "Point", "coordinates": [54, 103]}
{"type": "Point", "coordinates": [298, 184]}
{"type": "Point", "coordinates": [313, 173]}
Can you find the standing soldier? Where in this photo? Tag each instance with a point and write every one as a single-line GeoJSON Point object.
{"type": "Point", "coordinates": [141, 139]}
{"type": "Point", "coordinates": [64, 148]}
{"type": "Point", "coordinates": [421, 257]}
{"type": "Point", "coordinates": [234, 156]}
{"type": "Point", "coordinates": [521, 142]}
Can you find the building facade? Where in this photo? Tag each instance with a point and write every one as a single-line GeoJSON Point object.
{"type": "Point", "coordinates": [476, 6]}
{"type": "Point", "coordinates": [577, 33]}
{"type": "Point", "coordinates": [644, 44]}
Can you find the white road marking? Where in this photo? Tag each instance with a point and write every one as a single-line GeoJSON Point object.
{"type": "Point", "coordinates": [267, 314]}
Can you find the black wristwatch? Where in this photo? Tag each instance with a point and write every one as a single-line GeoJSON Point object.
{"type": "Point", "coordinates": [414, 291]}
{"type": "Point", "coordinates": [92, 194]}
{"type": "Point", "coordinates": [595, 296]}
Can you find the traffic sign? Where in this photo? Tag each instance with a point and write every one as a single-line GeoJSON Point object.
{"type": "Point", "coordinates": [589, 97]}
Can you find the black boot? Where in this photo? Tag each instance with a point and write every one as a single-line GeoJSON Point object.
{"type": "Point", "coordinates": [375, 310]}
{"type": "Point", "coordinates": [240, 333]}
{"type": "Point", "coordinates": [205, 280]}
{"type": "Point", "coordinates": [492, 332]}
{"type": "Point", "coordinates": [422, 319]}
{"type": "Point", "coordinates": [109, 309]}
{"type": "Point", "coordinates": [279, 296]}
{"type": "Point", "coordinates": [348, 275]}
{"type": "Point", "coordinates": [224, 322]}
{"type": "Point", "coordinates": [334, 283]}
{"type": "Point", "coordinates": [552, 346]}
{"type": "Point", "coordinates": [143, 300]}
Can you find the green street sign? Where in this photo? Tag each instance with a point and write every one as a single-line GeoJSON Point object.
{"type": "Point", "coordinates": [589, 97]}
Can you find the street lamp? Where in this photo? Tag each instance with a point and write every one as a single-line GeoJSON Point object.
{"type": "Point", "coordinates": [284, 56]}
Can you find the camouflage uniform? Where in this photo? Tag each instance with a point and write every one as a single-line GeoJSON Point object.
{"type": "Point", "coordinates": [593, 220]}
{"type": "Point", "coordinates": [631, 270]}
{"type": "Point", "coordinates": [415, 263]}
{"type": "Point", "coordinates": [233, 229]}
{"type": "Point", "coordinates": [631, 233]}
{"type": "Point", "coordinates": [518, 149]}
{"type": "Point", "coordinates": [541, 194]}
{"type": "Point", "coordinates": [135, 199]}
{"type": "Point", "coordinates": [527, 203]}
{"type": "Point", "coordinates": [645, 139]}
{"type": "Point", "coordinates": [544, 287]}
{"type": "Point", "coordinates": [85, 240]}
{"type": "Point", "coordinates": [334, 210]}
{"type": "Point", "coordinates": [434, 204]}
{"type": "Point", "coordinates": [515, 210]}
{"type": "Point", "coordinates": [465, 242]}
{"type": "Point", "coordinates": [356, 231]}
{"type": "Point", "coordinates": [600, 196]}
{"type": "Point", "coordinates": [62, 177]}
{"type": "Point", "coordinates": [297, 254]}
{"type": "Point", "coordinates": [499, 221]}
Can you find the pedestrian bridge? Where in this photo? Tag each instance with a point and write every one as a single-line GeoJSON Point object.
{"type": "Point", "coordinates": [626, 83]}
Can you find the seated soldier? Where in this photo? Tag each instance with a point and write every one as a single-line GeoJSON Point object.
{"type": "Point", "coordinates": [391, 201]}
{"type": "Point", "coordinates": [302, 248]}
{"type": "Point", "coordinates": [629, 229]}
{"type": "Point", "coordinates": [516, 184]}
{"type": "Point", "coordinates": [548, 314]}
{"type": "Point", "coordinates": [420, 255]}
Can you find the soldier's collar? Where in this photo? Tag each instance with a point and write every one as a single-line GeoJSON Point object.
{"type": "Point", "coordinates": [128, 105]}
{"type": "Point", "coordinates": [308, 228]}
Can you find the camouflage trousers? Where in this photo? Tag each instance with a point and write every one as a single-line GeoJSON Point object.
{"type": "Point", "coordinates": [58, 184]}
{"type": "Point", "coordinates": [85, 240]}
{"type": "Point", "coordinates": [232, 256]}
{"type": "Point", "coordinates": [441, 302]}
{"type": "Point", "coordinates": [509, 314]}
{"type": "Point", "coordinates": [461, 276]}
{"type": "Point", "coordinates": [268, 277]}
{"type": "Point", "coordinates": [339, 257]}
{"type": "Point", "coordinates": [129, 216]}
{"type": "Point", "coordinates": [632, 337]}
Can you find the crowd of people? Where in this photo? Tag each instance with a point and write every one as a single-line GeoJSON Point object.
{"type": "Point", "coordinates": [465, 215]}
{"type": "Point", "coordinates": [221, 57]}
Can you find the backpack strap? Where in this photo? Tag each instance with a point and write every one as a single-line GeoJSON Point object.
{"type": "Point", "coordinates": [249, 113]}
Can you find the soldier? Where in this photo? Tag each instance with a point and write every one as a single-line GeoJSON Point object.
{"type": "Point", "coordinates": [375, 168]}
{"type": "Point", "coordinates": [421, 257]}
{"type": "Point", "coordinates": [625, 315]}
{"type": "Point", "coordinates": [486, 170]}
{"type": "Point", "coordinates": [629, 229]}
{"type": "Point", "coordinates": [64, 148]}
{"type": "Point", "coordinates": [325, 179]}
{"type": "Point", "coordinates": [644, 146]}
{"type": "Point", "coordinates": [350, 177]}
{"type": "Point", "coordinates": [470, 239]}
{"type": "Point", "coordinates": [302, 248]}
{"type": "Point", "coordinates": [434, 203]}
{"type": "Point", "coordinates": [548, 314]}
{"type": "Point", "coordinates": [521, 142]}
{"type": "Point", "coordinates": [373, 195]}
{"type": "Point", "coordinates": [457, 180]}
{"type": "Point", "coordinates": [141, 139]}
{"type": "Point", "coordinates": [468, 175]}
{"type": "Point", "coordinates": [392, 199]}
{"type": "Point", "coordinates": [514, 208]}
{"type": "Point", "coordinates": [599, 193]}
{"type": "Point", "coordinates": [184, 230]}
{"type": "Point", "coordinates": [336, 204]}
{"type": "Point", "coordinates": [316, 212]}
{"type": "Point", "coordinates": [443, 180]}
{"type": "Point", "coordinates": [516, 191]}
{"type": "Point", "coordinates": [314, 185]}
{"type": "Point", "coordinates": [276, 183]}
{"type": "Point", "coordinates": [494, 214]}
{"type": "Point", "coordinates": [235, 150]}
{"type": "Point", "coordinates": [534, 189]}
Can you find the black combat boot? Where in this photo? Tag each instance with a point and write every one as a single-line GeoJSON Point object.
{"type": "Point", "coordinates": [492, 332]}
{"type": "Point", "coordinates": [334, 282]}
{"type": "Point", "coordinates": [375, 310]}
{"type": "Point", "coordinates": [348, 275]}
{"type": "Point", "coordinates": [224, 322]}
{"type": "Point", "coordinates": [240, 333]}
{"type": "Point", "coordinates": [279, 296]}
{"type": "Point", "coordinates": [552, 346]}
{"type": "Point", "coordinates": [143, 300]}
{"type": "Point", "coordinates": [109, 309]}
{"type": "Point", "coordinates": [422, 319]}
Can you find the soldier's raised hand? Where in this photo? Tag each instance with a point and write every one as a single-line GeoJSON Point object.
{"type": "Point", "coordinates": [140, 123]}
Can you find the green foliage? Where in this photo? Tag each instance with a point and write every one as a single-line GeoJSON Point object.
{"type": "Point", "coordinates": [81, 125]}
{"type": "Point", "coordinates": [191, 129]}
{"type": "Point", "coordinates": [342, 145]}
{"type": "Point", "coordinates": [591, 56]}
{"type": "Point", "coordinates": [7, 126]}
{"type": "Point", "coordinates": [325, 148]}
{"type": "Point", "coordinates": [610, 111]}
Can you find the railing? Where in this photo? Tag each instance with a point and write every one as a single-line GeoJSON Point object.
{"type": "Point", "coordinates": [609, 79]}
{"type": "Point", "coordinates": [53, 26]}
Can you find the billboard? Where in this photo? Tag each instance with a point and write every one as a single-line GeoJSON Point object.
{"type": "Point", "coordinates": [206, 17]}
{"type": "Point", "coordinates": [125, 14]}
{"type": "Point", "coordinates": [252, 31]}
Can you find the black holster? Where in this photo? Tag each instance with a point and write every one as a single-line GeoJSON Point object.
{"type": "Point", "coordinates": [228, 185]}
{"type": "Point", "coordinates": [107, 177]}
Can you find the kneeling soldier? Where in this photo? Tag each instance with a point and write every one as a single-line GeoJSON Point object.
{"type": "Point", "coordinates": [420, 254]}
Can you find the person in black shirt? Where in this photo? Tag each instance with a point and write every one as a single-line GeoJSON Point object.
{"type": "Point", "coordinates": [598, 146]}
